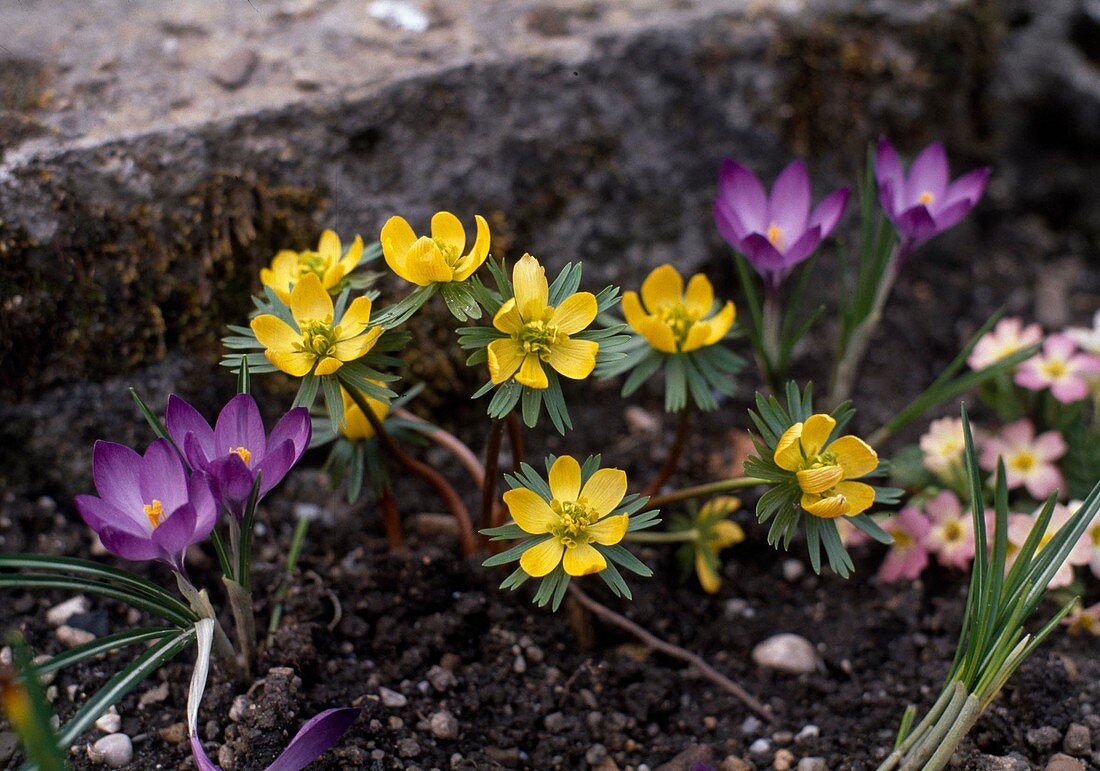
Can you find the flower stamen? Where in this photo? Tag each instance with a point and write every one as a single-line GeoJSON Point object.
{"type": "Point", "coordinates": [154, 512]}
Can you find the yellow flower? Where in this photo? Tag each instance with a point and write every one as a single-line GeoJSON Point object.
{"type": "Point", "coordinates": [539, 333]}
{"type": "Point", "coordinates": [356, 426]}
{"type": "Point", "coordinates": [714, 533]}
{"type": "Point", "coordinates": [438, 259]}
{"type": "Point", "coordinates": [675, 321]}
{"type": "Point", "coordinates": [575, 518]}
{"type": "Point", "coordinates": [287, 268]}
{"type": "Point", "coordinates": [318, 345]}
{"type": "Point", "coordinates": [824, 472]}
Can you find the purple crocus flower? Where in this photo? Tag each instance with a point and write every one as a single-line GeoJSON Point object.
{"type": "Point", "coordinates": [147, 507]}
{"type": "Point", "coordinates": [238, 447]}
{"type": "Point", "coordinates": [778, 231]}
{"type": "Point", "coordinates": [924, 202]}
{"type": "Point", "coordinates": [317, 735]}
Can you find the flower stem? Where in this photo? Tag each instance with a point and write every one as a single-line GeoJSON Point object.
{"type": "Point", "coordinates": [466, 541]}
{"type": "Point", "coordinates": [223, 556]}
{"type": "Point", "coordinates": [735, 483]}
{"type": "Point", "coordinates": [771, 322]}
{"type": "Point", "coordinates": [667, 648]}
{"type": "Point", "coordinates": [492, 469]}
{"type": "Point", "coordinates": [391, 519]}
{"type": "Point", "coordinates": [675, 452]}
{"type": "Point", "coordinates": [447, 441]}
{"type": "Point", "coordinates": [669, 536]}
{"type": "Point", "coordinates": [515, 439]}
{"type": "Point", "coordinates": [200, 603]}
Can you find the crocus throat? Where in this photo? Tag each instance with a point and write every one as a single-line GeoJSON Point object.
{"type": "Point", "coordinates": [576, 517]}
{"type": "Point", "coordinates": [155, 513]}
{"type": "Point", "coordinates": [926, 198]}
{"type": "Point", "coordinates": [776, 237]}
{"type": "Point", "coordinates": [243, 453]}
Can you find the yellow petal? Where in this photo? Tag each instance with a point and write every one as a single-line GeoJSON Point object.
{"type": "Point", "coordinates": [719, 506]}
{"type": "Point", "coordinates": [356, 317]}
{"type": "Point", "coordinates": [542, 558]}
{"type": "Point", "coordinates": [659, 334]}
{"type": "Point", "coordinates": [708, 578]}
{"type": "Point", "coordinates": [565, 478]}
{"type": "Point", "coordinates": [727, 533]}
{"type": "Point", "coordinates": [309, 301]}
{"type": "Point", "coordinates": [829, 507]}
{"type": "Point", "coordinates": [531, 373]}
{"type": "Point", "coordinates": [425, 264]}
{"type": "Point", "coordinates": [609, 530]}
{"type": "Point", "coordinates": [699, 296]}
{"type": "Point", "coordinates": [721, 322]}
{"type": "Point", "coordinates": [662, 287]}
{"type": "Point", "coordinates": [356, 426]}
{"type": "Point", "coordinates": [275, 334]}
{"type": "Point", "coordinates": [697, 336]}
{"type": "Point", "coordinates": [604, 490]}
{"type": "Point", "coordinates": [531, 289]}
{"type": "Point", "coordinates": [635, 315]}
{"type": "Point", "coordinates": [447, 229]}
{"type": "Point", "coordinates": [575, 313]}
{"type": "Point", "coordinates": [819, 480]}
{"type": "Point", "coordinates": [574, 359]}
{"type": "Point", "coordinates": [530, 511]}
{"type": "Point", "coordinates": [583, 560]}
{"type": "Point", "coordinates": [333, 276]}
{"type": "Point", "coordinates": [854, 455]}
{"type": "Point", "coordinates": [397, 238]}
{"type": "Point", "coordinates": [295, 363]}
{"type": "Point", "coordinates": [327, 366]}
{"type": "Point", "coordinates": [816, 432]}
{"type": "Point", "coordinates": [788, 450]}
{"type": "Point", "coordinates": [351, 349]}
{"type": "Point", "coordinates": [350, 260]}
{"type": "Point", "coordinates": [507, 318]}
{"type": "Point", "coordinates": [505, 357]}
{"type": "Point", "coordinates": [860, 496]}
{"type": "Point", "coordinates": [329, 247]}
{"type": "Point", "coordinates": [477, 255]}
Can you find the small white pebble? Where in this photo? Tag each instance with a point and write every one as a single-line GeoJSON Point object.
{"type": "Point", "coordinates": [391, 698]}
{"type": "Point", "coordinates": [760, 746]}
{"type": "Point", "coordinates": [109, 722]}
{"type": "Point", "coordinates": [403, 15]}
{"type": "Point", "coordinates": [113, 751]}
{"type": "Point", "coordinates": [72, 637]}
{"type": "Point", "coordinates": [809, 731]}
{"type": "Point", "coordinates": [62, 612]}
{"type": "Point", "coordinates": [238, 708]}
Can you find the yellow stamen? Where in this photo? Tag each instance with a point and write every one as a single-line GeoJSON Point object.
{"type": "Point", "coordinates": [1023, 461]}
{"type": "Point", "coordinates": [902, 540]}
{"type": "Point", "coordinates": [776, 236]}
{"type": "Point", "coordinates": [576, 518]}
{"type": "Point", "coordinates": [244, 454]}
{"type": "Point", "coordinates": [155, 513]}
{"type": "Point", "coordinates": [952, 531]}
{"type": "Point", "coordinates": [926, 198]}
{"type": "Point", "coordinates": [1054, 369]}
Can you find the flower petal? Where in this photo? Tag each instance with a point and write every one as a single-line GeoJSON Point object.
{"type": "Point", "coordinates": [329, 247]}
{"type": "Point", "coordinates": [789, 203]}
{"type": "Point", "coordinates": [356, 318]}
{"type": "Point", "coordinates": [662, 288]}
{"type": "Point", "coordinates": [575, 313]}
{"type": "Point", "coordinates": [294, 426]}
{"type": "Point", "coordinates": [530, 511]}
{"type": "Point", "coordinates": [860, 497]}
{"type": "Point", "coordinates": [507, 318]}
{"type": "Point", "coordinates": [175, 534]}
{"type": "Point", "coordinates": [827, 214]}
{"type": "Point", "coordinates": [531, 289]}
{"type": "Point", "coordinates": [397, 238]}
{"type": "Point", "coordinates": [788, 450]}
{"type": "Point", "coordinates": [542, 558]}
{"type": "Point", "coordinates": [604, 490]}
{"type": "Point", "coordinates": [565, 478]}
{"type": "Point", "coordinates": [720, 323]}
{"type": "Point", "coordinates": [916, 223]}
{"type": "Point", "coordinates": [727, 533]}
{"type": "Point", "coordinates": [425, 264]}
{"type": "Point", "coordinates": [275, 334]}
{"type": "Point", "coordinates": [128, 546]}
{"type": "Point", "coordinates": [477, 255]}
{"type": "Point", "coordinates": [309, 301]}
{"type": "Point", "coordinates": [531, 373]}
{"type": "Point", "coordinates": [742, 191]}
{"type": "Point", "coordinates": [728, 223]}
{"type": "Point", "coordinates": [163, 477]}
{"type": "Point", "coordinates": [928, 175]}
{"type": "Point", "coordinates": [99, 515]}
{"type": "Point", "coordinates": [708, 578]}
{"type": "Point", "coordinates": [316, 736]}
{"type": "Point", "coordinates": [574, 359]}
{"type": "Point", "coordinates": [802, 248]}
{"type": "Point", "coordinates": [968, 187]}
{"type": "Point", "coordinates": [181, 419]}
{"type": "Point", "coordinates": [583, 560]}
{"type": "Point", "coordinates": [609, 530]}
{"type": "Point", "coordinates": [635, 315]}
{"type": "Point", "coordinates": [296, 364]}
{"type": "Point", "coordinates": [855, 456]}
{"type": "Point", "coordinates": [816, 431]}
{"type": "Point", "coordinates": [117, 473]}
{"type": "Point", "coordinates": [699, 296]}
{"type": "Point", "coordinates": [330, 364]}
{"type": "Point", "coordinates": [240, 425]}
{"type": "Point", "coordinates": [828, 507]}
{"type": "Point", "coordinates": [659, 334]}
{"type": "Point", "coordinates": [505, 357]}
{"type": "Point", "coordinates": [447, 228]}
{"type": "Point", "coordinates": [350, 260]}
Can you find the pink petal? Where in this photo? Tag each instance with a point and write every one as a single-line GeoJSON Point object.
{"type": "Point", "coordinates": [928, 174]}
{"type": "Point", "coordinates": [742, 191]}
{"type": "Point", "coordinates": [827, 214]}
{"type": "Point", "coordinates": [789, 203]}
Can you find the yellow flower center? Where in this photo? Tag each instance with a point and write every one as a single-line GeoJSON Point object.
{"type": "Point", "coordinates": [679, 319]}
{"type": "Point", "coordinates": [1023, 461]}
{"type": "Point", "coordinates": [776, 237]}
{"type": "Point", "coordinates": [952, 532]}
{"type": "Point", "coordinates": [318, 338]}
{"type": "Point", "coordinates": [1054, 369]}
{"type": "Point", "coordinates": [926, 198]}
{"type": "Point", "coordinates": [243, 453]}
{"type": "Point", "coordinates": [312, 262]}
{"type": "Point", "coordinates": [450, 255]}
{"type": "Point", "coordinates": [155, 513]}
{"type": "Point", "coordinates": [575, 519]}
{"type": "Point", "coordinates": [819, 473]}
{"type": "Point", "coordinates": [1095, 533]}
{"type": "Point", "coordinates": [539, 336]}
{"type": "Point", "coordinates": [1084, 623]}
{"type": "Point", "coordinates": [902, 539]}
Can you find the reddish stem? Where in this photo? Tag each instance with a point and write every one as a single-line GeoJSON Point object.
{"type": "Point", "coordinates": [515, 440]}
{"type": "Point", "coordinates": [391, 519]}
{"type": "Point", "coordinates": [449, 442]}
{"type": "Point", "coordinates": [675, 452]}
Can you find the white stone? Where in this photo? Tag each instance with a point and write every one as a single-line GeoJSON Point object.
{"type": "Point", "coordinates": [809, 731]}
{"type": "Point", "coordinates": [391, 698]}
{"type": "Point", "coordinates": [109, 722]}
{"type": "Point", "coordinates": [72, 637]}
{"type": "Point", "coordinates": [113, 751]}
{"type": "Point", "coordinates": [402, 15]}
{"type": "Point", "coordinates": [786, 653]}
{"type": "Point", "coordinates": [59, 614]}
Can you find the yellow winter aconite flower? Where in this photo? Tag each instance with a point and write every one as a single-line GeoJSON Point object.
{"type": "Point", "coordinates": [674, 320]}
{"type": "Point", "coordinates": [825, 473]}
{"type": "Point", "coordinates": [436, 260]}
{"type": "Point", "coordinates": [715, 533]}
{"type": "Point", "coordinates": [575, 518]}
{"type": "Point", "coordinates": [318, 344]}
{"type": "Point", "coordinates": [356, 426]}
{"type": "Point", "coordinates": [539, 333]}
{"type": "Point", "coordinates": [288, 267]}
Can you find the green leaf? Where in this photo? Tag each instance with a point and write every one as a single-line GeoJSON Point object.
{"type": "Point", "coordinates": [460, 301]}
{"type": "Point", "coordinates": [102, 645]}
{"type": "Point", "coordinates": [334, 402]}
{"type": "Point", "coordinates": [307, 392]}
{"type": "Point", "coordinates": [513, 554]}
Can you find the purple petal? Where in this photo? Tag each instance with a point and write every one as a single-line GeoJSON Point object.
{"type": "Point", "coordinates": [802, 248]}
{"type": "Point", "coordinates": [100, 515]}
{"type": "Point", "coordinates": [275, 465]}
{"type": "Point", "coordinates": [195, 453]}
{"type": "Point", "coordinates": [182, 419]}
{"type": "Point", "coordinates": [240, 425]}
{"type": "Point", "coordinates": [888, 171]}
{"type": "Point", "coordinates": [117, 473]}
{"type": "Point", "coordinates": [827, 214]}
{"type": "Point", "coordinates": [176, 533]}
{"type": "Point", "coordinates": [949, 217]}
{"type": "Point", "coordinates": [729, 224]}
{"type": "Point", "coordinates": [201, 496]}
{"type": "Point", "coordinates": [232, 482]}
{"type": "Point", "coordinates": [928, 174]}
{"type": "Point", "coordinates": [968, 187]}
{"type": "Point", "coordinates": [163, 477]}
{"type": "Point", "coordinates": [129, 546]}
{"type": "Point", "coordinates": [317, 735]}
{"type": "Point", "coordinates": [202, 762]}
{"type": "Point", "coordinates": [295, 426]}
{"type": "Point", "coordinates": [888, 198]}
{"type": "Point", "coordinates": [742, 191]}
{"type": "Point", "coordinates": [761, 254]}
{"type": "Point", "coordinates": [916, 224]}
{"type": "Point", "coordinates": [789, 204]}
